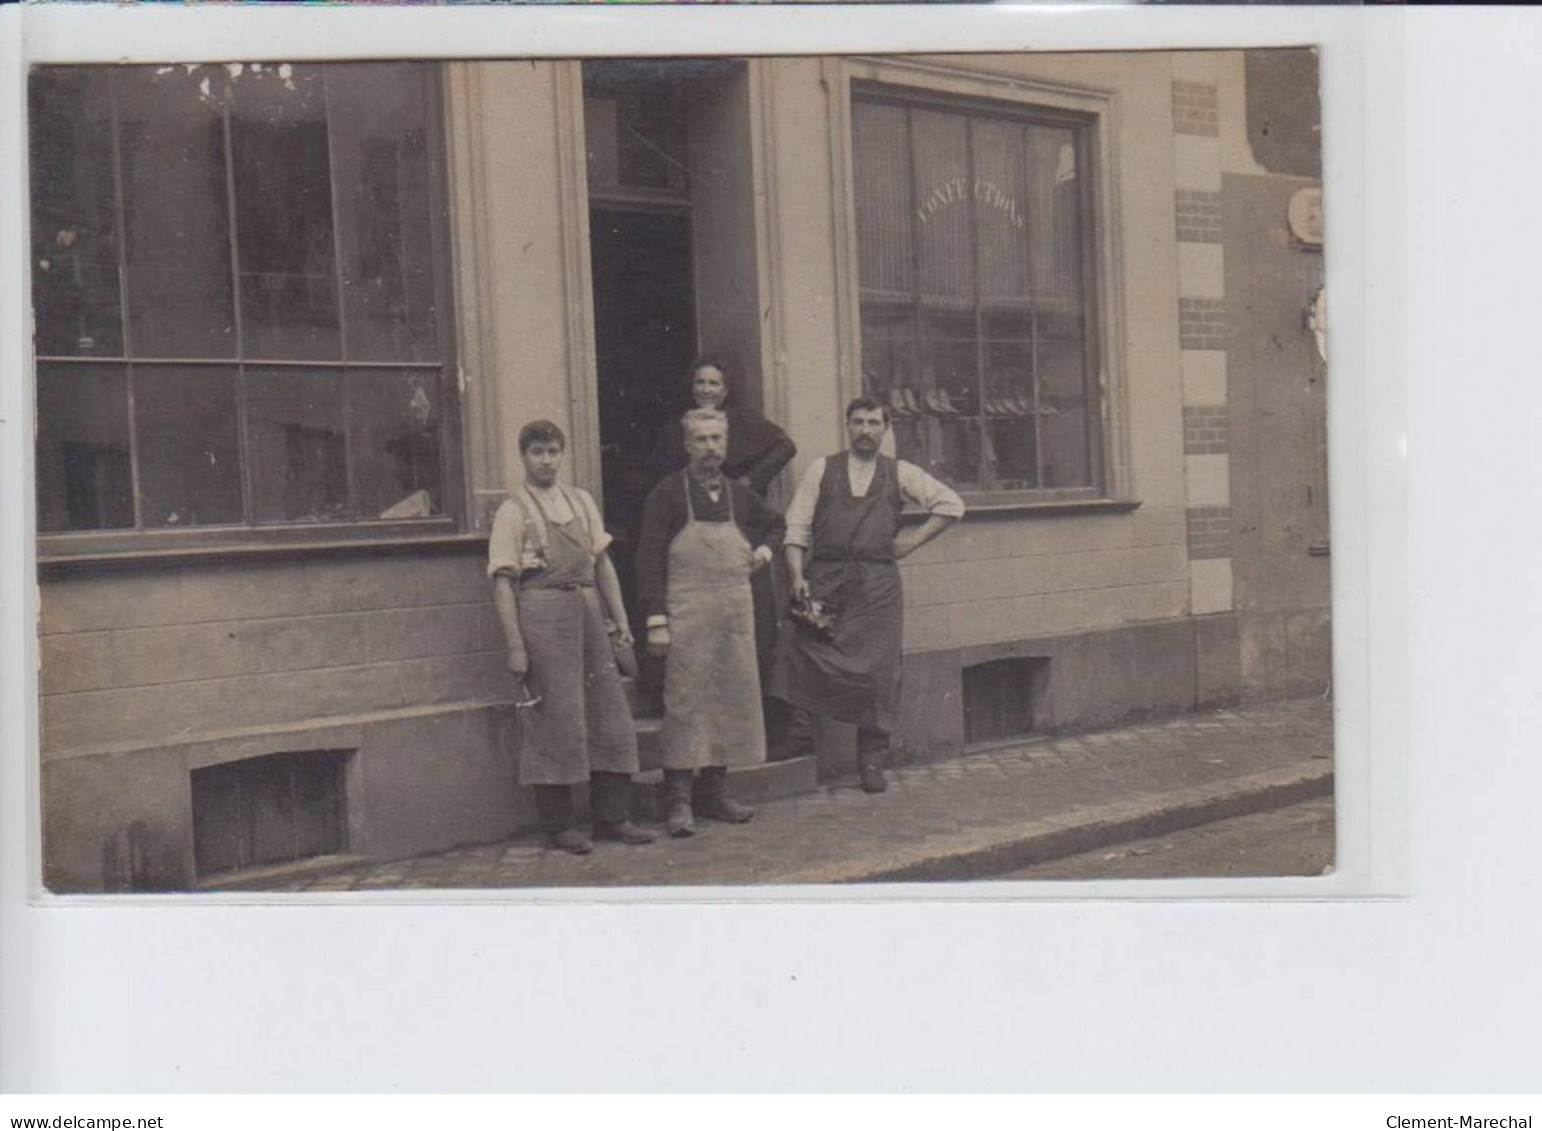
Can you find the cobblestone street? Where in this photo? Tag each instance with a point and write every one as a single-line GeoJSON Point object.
{"type": "Point", "coordinates": [1076, 792]}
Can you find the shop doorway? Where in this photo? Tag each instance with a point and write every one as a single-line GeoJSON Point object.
{"type": "Point", "coordinates": [645, 340]}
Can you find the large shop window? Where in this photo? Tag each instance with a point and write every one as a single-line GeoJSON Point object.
{"type": "Point", "coordinates": [974, 237]}
{"type": "Point", "coordinates": [239, 301]}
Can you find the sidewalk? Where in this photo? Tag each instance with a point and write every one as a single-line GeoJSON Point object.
{"type": "Point", "coordinates": [972, 817]}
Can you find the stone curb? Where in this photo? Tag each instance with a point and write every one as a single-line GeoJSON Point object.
{"type": "Point", "coordinates": [984, 853]}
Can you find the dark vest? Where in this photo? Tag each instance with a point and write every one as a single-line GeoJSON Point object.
{"type": "Point", "coordinates": [847, 528]}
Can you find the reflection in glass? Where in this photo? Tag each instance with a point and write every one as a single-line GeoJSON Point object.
{"type": "Point", "coordinates": [283, 187]}
{"type": "Point", "coordinates": [882, 190]}
{"type": "Point", "coordinates": [397, 454]}
{"type": "Point", "coordinates": [143, 178]}
{"type": "Point", "coordinates": [74, 224]}
{"type": "Point", "coordinates": [1001, 229]}
{"type": "Point", "coordinates": [1054, 214]}
{"type": "Point", "coordinates": [1065, 413]}
{"type": "Point", "coordinates": [635, 133]}
{"type": "Point", "coordinates": [84, 475]}
{"type": "Point", "coordinates": [943, 193]}
{"type": "Point", "coordinates": [172, 141]}
{"type": "Point", "coordinates": [189, 452]}
{"type": "Point", "coordinates": [295, 446]}
{"type": "Point", "coordinates": [379, 122]}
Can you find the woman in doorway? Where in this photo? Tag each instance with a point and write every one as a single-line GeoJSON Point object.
{"type": "Point", "coordinates": [757, 449]}
{"type": "Point", "coordinates": [757, 452]}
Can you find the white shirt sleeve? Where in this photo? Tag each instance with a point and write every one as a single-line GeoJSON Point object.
{"type": "Point", "coordinates": [800, 512]}
{"type": "Point", "coordinates": [601, 537]}
{"type": "Point", "coordinates": [505, 541]}
{"type": "Point", "coordinates": [927, 492]}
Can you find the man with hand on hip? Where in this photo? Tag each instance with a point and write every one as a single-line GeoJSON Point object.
{"type": "Point", "coordinates": [843, 543]}
{"type": "Point", "coordinates": [703, 537]}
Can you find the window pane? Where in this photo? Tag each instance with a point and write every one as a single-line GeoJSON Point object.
{"type": "Point", "coordinates": [635, 132]}
{"type": "Point", "coordinates": [84, 476]}
{"type": "Point", "coordinates": [378, 117]}
{"type": "Point", "coordinates": [944, 189]}
{"type": "Point", "coordinates": [267, 789]}
{"type": "Point", "coordinates": [1065, 414]}
{"type": "Point", "coordinates": [395, 428]}
{"type": "Point", "coordinates": [283, 185]}
{"type": "Point", "coordinates": [295, 445]}
{"type": "Point", "coordinates": [189, 450]}
{"type": "Point", "coordinates": [74, 222]}
{"type": "Point", "coordinates": [885, 249]}
{"type": "Point", "coordinates": [981, 350]}
{"type": "Point", "coordinates": [1054, 217]}
{"type": "Point", "coordinates": [172, 141]}
{"type": "Point", "coordinates": [1001, 227]}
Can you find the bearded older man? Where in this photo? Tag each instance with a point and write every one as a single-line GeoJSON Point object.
{"type": "Point", "coordinates": [703, 537]}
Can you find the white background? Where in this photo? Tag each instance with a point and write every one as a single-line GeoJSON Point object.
{"type": "Point", "coordinates": [1435, 395]}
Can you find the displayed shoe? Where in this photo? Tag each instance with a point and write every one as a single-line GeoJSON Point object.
{"type": "Point", "coordinates": [571, 840]}
{"type": "Point", "coordinates": [948, 407]}
{"type": "Point", "coordinates": [724, 809]}
{"type": "Point", "coordinates": [911, 402]}
{"type": "Point", "coordinates": [897, 405]}
{"type": "Point", "coordinates": [937, 404]}
{"type": "Point", "coordinates": [624, 831]}
{"type": "Point", "coordinates": [679, 820]}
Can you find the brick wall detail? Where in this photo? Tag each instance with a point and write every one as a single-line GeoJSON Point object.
{"type": "Point", "coordinates": [1202, 323]}
{"type": "Point", "coordinates": [1196, 108]}
{"type": "Point", "coordinates": [1199, 216]}
{"type": "Point", "coordinates": [1209, 532]}
{"type": "Point", "coordinates": [1205, 431]}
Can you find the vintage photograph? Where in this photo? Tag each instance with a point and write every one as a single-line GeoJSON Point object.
{"type": "Point", "coordinates": [681, 472]}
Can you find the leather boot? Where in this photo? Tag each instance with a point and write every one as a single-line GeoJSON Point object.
{"type": "Point", "coordinates": [554, 807]}
{"type": "Point", "coordinates": [872, 752]}
{"type": "Point", "coordinates": [678, 818]}
{"type": "Point", "coordinates": [712, 798]}
{"type": "Point", "coordinates": [610, 796]}
{"type": "Point", "coordinates": [572, 840]}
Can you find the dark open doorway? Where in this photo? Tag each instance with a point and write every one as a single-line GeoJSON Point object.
{"type": "Point", "coordinates": [645, 340]}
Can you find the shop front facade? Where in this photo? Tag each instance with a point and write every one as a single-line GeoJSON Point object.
{"type": "Point", "coordinates": [290, 320]}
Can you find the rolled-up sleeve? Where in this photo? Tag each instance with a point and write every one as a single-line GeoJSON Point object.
{"type": "Point", "coordinates": [800, 512]}
{"type": "Point", "coordinates": [927, 492]}
{"type": "Point", "coordinates": [600, 537]}
{"type": "Point", "coordinates": [503, 544]}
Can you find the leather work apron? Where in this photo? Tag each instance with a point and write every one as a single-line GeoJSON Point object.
{"type": "Point", "coordinates": [583, 723]}
{"type": "Point", "coordinates": [712, 714]}
{"type": "Point", "coordinates": [854, 678]}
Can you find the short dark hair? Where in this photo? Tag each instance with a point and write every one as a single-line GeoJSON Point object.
{"type": "Point", "coordinates": [869, 403]}
{"type": "Point", "coordinates": [540, 432]}
{"type": "Point", "coordinates": [709, 361]}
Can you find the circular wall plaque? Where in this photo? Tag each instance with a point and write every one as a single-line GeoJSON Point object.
{"type": "Point", "coordinates": [1305, 216]}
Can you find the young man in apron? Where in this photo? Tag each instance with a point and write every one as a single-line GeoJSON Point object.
{"type": "Point", "coordinates": [703, 537]}
{"type": "Point", "coordinates": [843, 543]}
{"type": "Point", "coordinates": [555, 588]}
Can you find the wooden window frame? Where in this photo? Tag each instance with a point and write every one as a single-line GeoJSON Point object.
{"type": "Point", "coordinates": [948, 86]}
{"type": "Point", "coordinates": [83, 546]}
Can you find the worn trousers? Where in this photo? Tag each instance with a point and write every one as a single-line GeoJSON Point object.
{"type": "Point", "coordinates": [795, 735]}
{"type": "Point", "coordinates": [610, 797]}
{"type": "Point", "coordinates": [705, 784]}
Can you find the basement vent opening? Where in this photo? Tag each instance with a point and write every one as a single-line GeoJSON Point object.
{"type": "Point", "coordinates": [276, 809]}
{"type": "Point", "coordinates": [1002, 699]}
